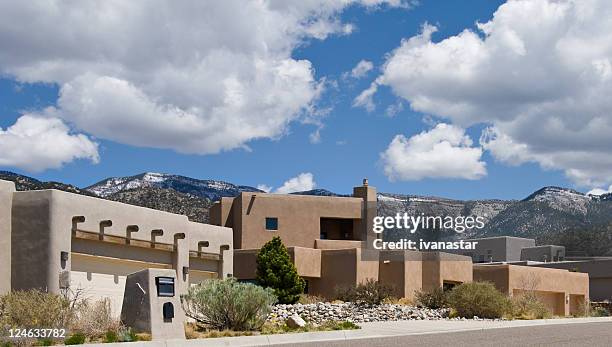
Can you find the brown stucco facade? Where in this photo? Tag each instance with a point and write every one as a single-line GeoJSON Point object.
{"type": "Point", "coordinates": [326, 239]}
{"type": "Point", "coordinates": [563, 292]}
{"type": "Point", "coordinates": [410, 271]}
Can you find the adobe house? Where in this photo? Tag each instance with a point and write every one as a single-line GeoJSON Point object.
{"type": "Point", "coordinates": [326, 238]}
{"type": "Point", "coordinates": [62, 241]}
{"type": "Point", "coordinates": [599, 271]}
{"type": "Point", "coordinates": [498, 249]}
{"type": "Point", "coordinates": [563, 292]}
{"type": "Point", "coordinates": [412, 271]}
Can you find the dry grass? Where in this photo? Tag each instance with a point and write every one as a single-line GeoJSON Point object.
{"type": "Point", "coordinates": [310, 299]}
{"type": "Point", "coordinates": [95, 319]}
{"type": "Point", "coordinates": [400, 301]}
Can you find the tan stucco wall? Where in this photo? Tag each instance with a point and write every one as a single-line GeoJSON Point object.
{"type": "Point", "coordinates": [338, 269]}
{"type": "Point", "coordinates": [412, 271]}
{"type": "Point", "coordinates": [554, 286]}
{"type": "Point", "coordinates": [299, 217]}
{"type": "Point", "coordinates": [599, 271]}
{"type": "Point", "coordinates": [6, 202]}
{"type": "Point", "coordinates": [338, 244]}
{"type": "Point", "coordinates": [50, 222]}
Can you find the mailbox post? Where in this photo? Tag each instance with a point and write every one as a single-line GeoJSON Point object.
{"type": "Point", "coordinates": [152, 305]}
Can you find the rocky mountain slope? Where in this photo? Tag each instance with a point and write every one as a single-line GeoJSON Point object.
{"type": "Point", "coordinates": [208, 189]}
{"type": "Point", "coordinates": [551, 215]}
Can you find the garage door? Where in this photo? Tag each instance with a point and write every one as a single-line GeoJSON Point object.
{"type": "Point", "coordinates": [104, 277]}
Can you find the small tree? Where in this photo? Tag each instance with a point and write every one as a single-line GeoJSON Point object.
{"type": "Point", "coordinates": [275, 270]}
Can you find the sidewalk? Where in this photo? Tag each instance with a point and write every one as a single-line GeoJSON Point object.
{"type": "Point", "coordinates": [368, 330]}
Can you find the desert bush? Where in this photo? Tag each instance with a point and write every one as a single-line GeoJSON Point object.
{"type": "Point", "coordinates": [310, 299]}
{"type": "Point", "coordinates": [370, 292]}
{"type": "Point", "coordinates": [34, 309]}
{"type": "Point", "coordinates": [276, 270]}
{"type": "Point", "coordinates": [434, 299]}
{"type": "Point", "coordinates": [600, 312]}
{"type": "Point", "coordinates": [228, 304]}
{"type": "Point", "coordinates": [344, 293]}
{"type": "Point", "coordinates": [75, 339]}
{"type": "Point", "coordinates": [480, 299]}
{"type": "Point", "coordinates": [95, 319]}
{"type": "Point", "coordinates": [528, 306]}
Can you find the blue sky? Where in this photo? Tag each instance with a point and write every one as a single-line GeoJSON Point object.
{"type": "Point", "coordinates": [352, 138]}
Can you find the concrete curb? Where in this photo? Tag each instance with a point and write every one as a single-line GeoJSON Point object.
{"type": "Point", "coordinates": [368, 331]}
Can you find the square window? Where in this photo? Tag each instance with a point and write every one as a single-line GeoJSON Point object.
{"type": "Point", "coordinates": [271, 223]}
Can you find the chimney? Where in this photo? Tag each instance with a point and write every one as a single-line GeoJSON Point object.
{"type": "Point", "coordinates": [365, 182]}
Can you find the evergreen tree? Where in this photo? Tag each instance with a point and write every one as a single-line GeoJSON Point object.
{"type": "Point", "coordinates": [275, 270]}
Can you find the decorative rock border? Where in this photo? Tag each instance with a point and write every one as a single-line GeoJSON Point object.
{"type": "Point", "coordinates": [347, 311]}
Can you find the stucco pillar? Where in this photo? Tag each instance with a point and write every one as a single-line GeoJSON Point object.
{"type": "Point", "coordinates": [181, 262]}
{"type": "Point", "coordinates": [6, 204]}
{"type": "Point", "coordinates": [369, 211]}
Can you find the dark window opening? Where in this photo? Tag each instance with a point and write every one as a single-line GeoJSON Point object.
{"type": "Point", "coordinates": [271, 223]}
{"type": "Point", "coordinates": [337, 229]}
{"type": "Point", "coordinates": [446, 286]}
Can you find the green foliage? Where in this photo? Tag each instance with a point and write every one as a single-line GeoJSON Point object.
{"type": "Point", "coordinates": [370, 292]}
{"type": "Point", "coordinates": [45, 342]}
{"type": "Point", "coordinates": [110, 337]}
{"type": "Point", "coordinates": [275, 270]}
{"type": "Point", "coordinates": [75, 339]}
{"type": "Point", "coordinates": [433, 299]}
{"type": "Point", "coordinates": [528, 306]}
{"type": "Point", "coordinates": [272, 328]}
{"type": "Point", "coordinates": [228, 304]}
{"type": "Point", "coordinates": [126, 335]}
{"type": "Point", "coordinates": [600, 312]}
{"type": "Point", "coordinates": [480, 299]}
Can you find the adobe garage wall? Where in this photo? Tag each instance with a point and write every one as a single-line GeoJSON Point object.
{"type": "Point", "coordinates": [6, 202]}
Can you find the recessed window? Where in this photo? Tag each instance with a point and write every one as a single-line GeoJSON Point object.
{"type": "Point", "coordinates": [271, 223]}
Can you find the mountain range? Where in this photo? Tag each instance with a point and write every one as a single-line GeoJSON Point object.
{"type": "Point", "coordinates": [551, 215]}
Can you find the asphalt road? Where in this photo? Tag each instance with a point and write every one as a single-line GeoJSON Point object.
{"type": "Point", "coordinates": [585, 334]}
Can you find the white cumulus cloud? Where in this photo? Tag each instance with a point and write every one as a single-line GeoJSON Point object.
{"type": "Point", "coordinates": [442, 152]}
{"type": "Point", "coordinates": [302, 182]}
{"type": "Point", "coordinates": [193, 76]}
{"type": "Point", "coordinates": [36, 143]}
{"type": "Point", "coordinates": [539, 73]}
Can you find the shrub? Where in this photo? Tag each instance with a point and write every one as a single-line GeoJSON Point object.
{"type": "Point", "coordinates": [528, 306]}
{"type": "Point", "coordinates": [478, 299]}
{"type": "Point", "coordinates": [228, 304]}
{"type": "Point", "coordinates": [275, 270]}
{"type": "Point", "coordinates": [344, 293]}
{"type": "Point", "coordinates": [75, 339]}
{"type": "Point", "coordinates": [434, 299]}
{"type": "Point", "coordinates": [600, 312]}
{"type": "Point", "coordinates": [34, 309]}
{"type": "Point", "coordinates": [370, 292]}
{"type": "Point", "coordinates": [95, 320]}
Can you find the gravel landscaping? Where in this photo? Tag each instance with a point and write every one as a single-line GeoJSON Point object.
{"type": "Point", "coordinates": [347, 311]}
